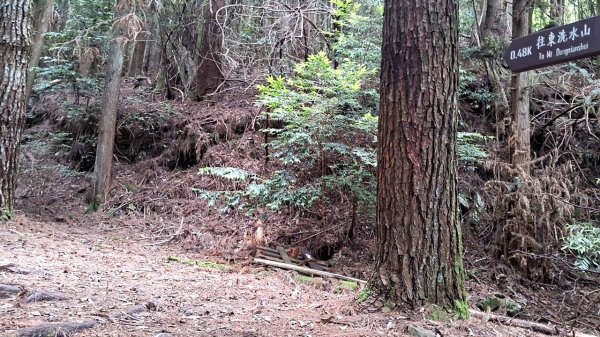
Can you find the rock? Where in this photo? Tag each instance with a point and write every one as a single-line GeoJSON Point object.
{"type": "Point", "coordinates": [513, 308]}
{"type": "Point", "coordinates": [417, 331]}
{"type": "Point", "coordinates": [498, 301]}
{"type": "Point", "coordinates": [162, 334]}
{"type": "Point", "coordinates": [493, 303]}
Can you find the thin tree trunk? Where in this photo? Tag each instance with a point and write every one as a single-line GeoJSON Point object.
{"type": "Point", "coordinates": [520, 128]}
{"type": "Point", "coordinates": [108, 117]}
{"type": "Point", "coordinates": [15, 49]}
{"type": "Point", "coordinates": [44, 16]}
{"type": "Point", "coordinates": [557, 12]}
{"type": "Point", "coordinates": [494, 36]}
{"type": "Point", "coordinates": [419, 240]}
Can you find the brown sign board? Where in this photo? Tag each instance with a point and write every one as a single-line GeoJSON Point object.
{"type": "Point", "coordinates": [555, 45]}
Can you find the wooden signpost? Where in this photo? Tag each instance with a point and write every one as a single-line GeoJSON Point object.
{"type": "Point", "coordinates": [555, 45]}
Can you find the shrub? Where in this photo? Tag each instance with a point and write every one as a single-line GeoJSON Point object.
{"type": "Point", "coordinates": [325, 144]}
{"type": "Point", "coordinates": [583, 240]}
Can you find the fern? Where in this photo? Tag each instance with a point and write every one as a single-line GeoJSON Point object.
{"type": "Point", "coordinates": [469, 147]}
{"type": "Point", "coordinates": [229, 173]}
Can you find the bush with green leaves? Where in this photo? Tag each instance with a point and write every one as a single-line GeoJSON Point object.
{"type": "Point", "coordinates": [85, 34]}
{"type": "Point", "coordinates": [358, 41]}
{"type": "Point", "coordinates": [583, 241]}
{"type": "Point", "coordinates": [469, 149]}
{"type": "Point", "coordinates": [324, 146]}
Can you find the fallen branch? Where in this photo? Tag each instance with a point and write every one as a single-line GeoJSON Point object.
{"type": "Point", "coordinates": [547, 329]}
{"type": "Point", "coordinates": [162, 242]}
{"type": "Point", "coordinates": [307, 270]}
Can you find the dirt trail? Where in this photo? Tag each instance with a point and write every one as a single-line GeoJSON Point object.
{"type": "Point", "coordinates": [104, 269]}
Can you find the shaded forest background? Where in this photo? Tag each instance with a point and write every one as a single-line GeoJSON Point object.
{"type": "Point", "coordinates": [254, 122]}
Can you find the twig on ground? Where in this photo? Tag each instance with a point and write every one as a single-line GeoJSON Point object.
{"type": "Point", "coordinates": [538, 327]}
{"type": "Point", "coordinates": [162, 242]}
{"type": "Point", "coordinates": [307, 270]}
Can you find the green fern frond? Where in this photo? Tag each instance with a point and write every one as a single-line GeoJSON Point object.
{"type": "Point", "coordinates": [229, 173]}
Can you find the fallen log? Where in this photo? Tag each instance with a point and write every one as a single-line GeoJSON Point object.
{"type": "Point", "coordinates": [54, 329]}
{"type": "Point", "coordinates": [307, 270]}
{"type": "Point", "coordinates": [42, 295]}
{"type": "Point", "coordinates": [547, 329]}
{"type": "Point", "coordinates": [9, 289]}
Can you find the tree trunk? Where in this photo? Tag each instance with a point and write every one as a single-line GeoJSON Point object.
{"type": "Point", "coordinates": [15, 49]}
{"type": "Point", "coordinates": [137, 58]}
{"type": "Point", "coordinates": [495, 38]}
{"type": "Point", "coordinates": [153, 46]}
{"type": "Point", "coordinates": [108, 116]}
{"type": "Point", "coordinates": [44, 15]}
{"type": "Point", "coordinates": [495, 24]}
{"type": "Point", "coordinates": [519, 97]}
{"type": "Point", "coordinates": [419, 240]}
{"type": "Point", "coordinates": [557, 12]}
{"type": "Point", "coordinates": [63, 7]}
{"type": "Point", "coordinates": [209, 76]}
{"type": "Point", "coordinates": [598, 57]}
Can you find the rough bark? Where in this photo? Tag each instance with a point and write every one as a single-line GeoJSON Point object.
{"type": "Point", "coordinates": [598, 57]}
{"type": "Point", "coordinates": [519, 96]}
{"type": "Point", "coordinates": [44, 15]}
{"type": "Point", "coordinates": [419, 240]}
{"type": "Point", "coordinates": [15, 51]}
{"type": "Point", "coordinates": [153, 49]}
{"type": "Point", "coordinates": [108, 116]}
{"type": "Point", "coordinates": [209, 76]}
{"type": "Point", "coordinates": [495, 24]}
{"type": "Point", "coordinates": [63, 7]}
{"type": "Point", "coordinates": [136, 62]}
{"type": "Point", "coordinates": [495, 37]}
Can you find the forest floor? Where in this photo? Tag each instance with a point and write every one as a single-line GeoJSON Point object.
{"type": "Point", "coordinates": [120, 270]}
{"type": "Point", "coordinates": [102, 270]}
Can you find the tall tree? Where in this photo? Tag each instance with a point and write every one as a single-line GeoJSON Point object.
{"type": "Point", "coordinates": [15, 51]}
{"type": "Point", "coordinates": [519, 95]}
{"type": "Point", "coordinates": [419, 240]}
{"type": "Point", "coordinates": [495, 36]}
{"type": "Point", "coordinates": [44, 9]}
{"type": "Point", "coordinates": [209, 76]}
{"type": "Point", "coordinates": [153, 49]}
{"type": "Point", "coordinates": [108, 116]}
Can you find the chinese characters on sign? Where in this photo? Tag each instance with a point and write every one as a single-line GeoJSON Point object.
{"type": "Point", "coordinates": [555, 45]}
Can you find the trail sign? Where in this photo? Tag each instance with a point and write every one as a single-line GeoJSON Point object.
{"type": "Point", "coordinates": [555, 45]}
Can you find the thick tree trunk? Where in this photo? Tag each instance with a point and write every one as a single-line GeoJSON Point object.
{"type": "Point", "coordinates": [419, 240]}
{"type": "Point", "coordinates": [108, 117]}
{"type": "Point", "coordinates": [495, 24]}
{"type": "Point", "coordinates": [44, 15]}
{"type": "Point", "coordinates": [209, 76]}
{"type": "Point", "coordinates": [63, 7]}
{"type": "Point", "coordinates": [15, 49]}
{"type": "Point", "coordinates": [519, 97]}
{"type": "Point", "coordinates": [153, 45]}
{"type": "Point", "coordinates": [137, 58]}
